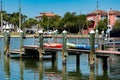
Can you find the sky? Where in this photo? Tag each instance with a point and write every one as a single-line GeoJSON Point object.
{"type": "Point", "coordinates": [32, 8]}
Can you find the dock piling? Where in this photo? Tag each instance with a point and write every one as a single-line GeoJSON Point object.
{"type": "Point", "coordinates": [97, 36]}
{"type": "Point", "coordinates": [7, 43]}
{"type": "Point", "coordinates": [55, 36]}
{"type": "Point", "coordinates": [64, 52]}
{"type": "Point", "coordinates": [102, 43]}
{"type": "Point", "coordinates": [21, 42]}
{"type": "Point", "coordinates": [77, 62]}
{"type": "Point", "coordinates": [41, 51]}
{"type": "Point", "coordinates": [92, 43]}
{"type": "Point", "coordinates": [105, 63]}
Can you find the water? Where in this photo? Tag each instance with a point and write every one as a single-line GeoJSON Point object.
{"type": "Point", "coordinates": [33, 69]}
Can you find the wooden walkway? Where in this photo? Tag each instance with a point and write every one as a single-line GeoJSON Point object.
{"type": "Point", "coordinates": [75, 51]}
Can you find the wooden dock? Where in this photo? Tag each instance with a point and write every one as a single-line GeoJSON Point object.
{"type": "Point", "coordinates": [78, 51]}
{"type": "Point", "coordinates": [74, 51]}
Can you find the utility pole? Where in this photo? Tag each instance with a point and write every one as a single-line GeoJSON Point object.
{"type": "Point", "coordinates": [108, 19]}
{"type": "Point", "coordinates": [1, 18]}
{"type": "Point", "coordinates": [97, 15]}
{"type": "Point", "coordinates": [19, 15]}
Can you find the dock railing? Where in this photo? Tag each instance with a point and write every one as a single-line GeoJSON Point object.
{"type": "Point", "coordinates": [112, 43]}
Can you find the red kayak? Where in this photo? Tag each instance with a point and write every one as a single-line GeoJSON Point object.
{"type": "Point", "coordinates": [53, 45]}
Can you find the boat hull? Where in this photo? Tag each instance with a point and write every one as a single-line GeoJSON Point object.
{"type": "Point", "coordinates": [53, 45]}
{"type": "Point", "coordinates": [81, 46]}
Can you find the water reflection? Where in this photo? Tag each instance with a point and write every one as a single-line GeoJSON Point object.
{"type": "Point", "coordinates": [33, 69]}
{"type": "Point", "coordinates": [7, 67]}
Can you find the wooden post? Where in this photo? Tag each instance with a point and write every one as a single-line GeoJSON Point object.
{"type": "Point", "coordinates": [53, 56]}
{"type": "Point", "coordinates": [97, 36]}
{"type": "Point", "coordinates": [55, 34]}
{"type": "Point", "coordinates": [7, 43]}
{"type": "Point", "coordinates": [102, 43]}
{"type": "Point", "coordinates": [40, 44]}
{"type": "Point", "coordinates": [21, 42]}
{"type": "Point", "coordinates": [92, 42]}
{"type": "Point", "coordinates": [64, 72]}
{"type": "Point", "coordinates": [91, 57]}
{"type": "Point", "coordinates": [21, 70]}
{"type": "Point", "coordinates": [105, 63]}
{"type": "Point", "coordinates": [91, 77]}
{"type": "Point", "coordinates": [40, 70]}
{"type": "Point", "coordinates": [7, 67]}
{"type": "Point", "coordinates": [77, 62]}
{"type": "Point", "coordinates": [5, 37]}
{"type": "Point", "coordinates": [64, 42]}
{"type": "Point", "coordinates": [54, 60]}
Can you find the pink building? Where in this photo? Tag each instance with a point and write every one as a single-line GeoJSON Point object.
{"type": "Point", "coordinates": [98, 15]}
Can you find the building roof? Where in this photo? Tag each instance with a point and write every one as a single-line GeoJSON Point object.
{"type": "Point", "coordinates": [48, 14]}
{"type": "Point", "coordinates": [99, 12]}
{"type": "Point", "coordinates": [102, 12]}
{"type": "Point", "coordinates": [114, 12]}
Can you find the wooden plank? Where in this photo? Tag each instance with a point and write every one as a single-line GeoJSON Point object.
{"type": "Point", "coordinates": [107, 52]}
{"type": "Point", "coordinates": [17, 51]}
{"type": "Point", "coordinates": [30, 47]}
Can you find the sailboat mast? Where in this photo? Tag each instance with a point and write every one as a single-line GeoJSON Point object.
{"type": "Point", "coordinates": [19, 15]}
{"type": "Point", "coordinates": [1, 18]}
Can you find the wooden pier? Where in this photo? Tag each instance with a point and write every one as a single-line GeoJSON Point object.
{"type": "Point", "coordinates": [39, 50]}
{"type": "Point", "coordinates": [74, 51]}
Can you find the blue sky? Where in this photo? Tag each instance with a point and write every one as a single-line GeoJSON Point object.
{"type": "Point", "coordinates": [33, 8]}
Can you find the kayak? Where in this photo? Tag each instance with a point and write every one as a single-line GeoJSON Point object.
{"type": "Point", "coordinates": [81, 46]}
{"type": "Point", "coordinates": [71, 45]}
{"type": "Point", "coordinates": [53, 45]}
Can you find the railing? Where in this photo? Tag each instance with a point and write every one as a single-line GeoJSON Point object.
{"type": "Point", "coordinates": [112, 43]}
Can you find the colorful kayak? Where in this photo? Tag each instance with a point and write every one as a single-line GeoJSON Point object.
{"type": "Point", "coordinates": [81, 46]}
{"type": "Point", "coordinates": [53, 45]}
{"type": "Point", "coordinates": [87, 47]}
{"type": "Point", "coordinates": [71, 45]}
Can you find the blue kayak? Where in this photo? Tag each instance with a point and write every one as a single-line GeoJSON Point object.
{"type": "Point", "coordinates": [87, 47]}
{"type": "Point", "coordinates": [81, 46]}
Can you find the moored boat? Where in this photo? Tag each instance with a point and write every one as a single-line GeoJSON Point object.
{"type": "Point", "coordinates": [53, 45]}
{"type": "Point", "coordinates": [81, 46]}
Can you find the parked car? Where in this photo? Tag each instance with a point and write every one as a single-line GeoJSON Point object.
{"type": "Point", "coordinates": [30, 32]}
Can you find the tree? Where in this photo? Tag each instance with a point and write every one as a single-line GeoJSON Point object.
{"type": "Point", "coordinates": [14, 19]}
{"type": "Point", "coordinates": [81, 22]}
{"type": "Point", "coordinates": [44, 22]}
{"type": "Point", "coordinates": [69, 21]}
{"type": "Point", "coordinates": [29, 23]}
{"type": "Point", "coordinates": [102, 25]}
{"type": "Point", "coordinates": [117, 24]}
{"type": "Point", "coordinates": [54, 22]}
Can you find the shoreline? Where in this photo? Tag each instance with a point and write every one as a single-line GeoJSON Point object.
{"type": "Point", "coordinates": [50, 36]}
